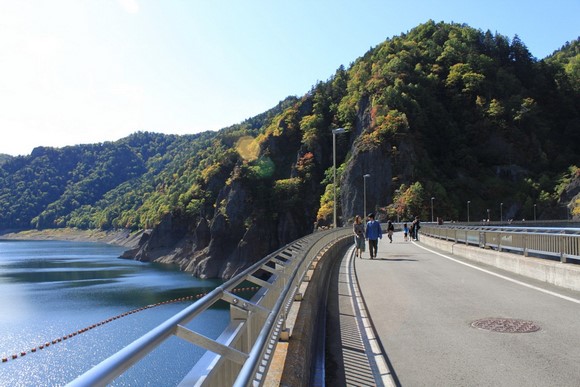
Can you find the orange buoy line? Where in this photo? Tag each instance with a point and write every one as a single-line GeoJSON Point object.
{"type": "Point", "coordinates": [80, 331]}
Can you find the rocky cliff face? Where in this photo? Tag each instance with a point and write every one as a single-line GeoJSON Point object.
{"type": "Point", "coordinates": [216, 249]}
{"type": "Point", "coordinates": [220, 248]}
{"type": "Point", "coordinates": [246, 225]}
{"type": "Point", "coordinates": [379, 164]}
{"type": "Point", "coordinates": [388, 164]}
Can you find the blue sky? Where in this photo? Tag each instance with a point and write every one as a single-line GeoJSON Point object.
{"type": "Point", "coordinates": [77, 72]}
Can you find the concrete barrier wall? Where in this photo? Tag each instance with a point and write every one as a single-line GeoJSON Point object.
{"type": "Point", "coordinates": [565, 275]}
{"type": "Point", "coordinates": [303, 343]}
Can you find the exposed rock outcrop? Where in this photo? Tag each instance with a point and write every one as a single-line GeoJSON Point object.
{"type": "Point", "coordinates": [376, 162]}
{"type": "Point", "coordinates": [219, 248]}
{"type": "Point", "coordinates": [162, 240]}
{"type": "Point", "coordinates": [390, 163]}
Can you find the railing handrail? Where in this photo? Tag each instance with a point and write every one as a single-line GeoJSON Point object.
{"type": "Point", "coordinates": [512, 228]}
{"type": "Point", "coordinates": [543, 242]}
{"type": "Point", "coordinates": [287, 265]}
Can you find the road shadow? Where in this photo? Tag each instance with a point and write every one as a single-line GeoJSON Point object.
{"type": "Point", "coordinates": [391, 259]}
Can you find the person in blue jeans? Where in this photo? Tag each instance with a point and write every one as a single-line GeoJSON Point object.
{"type": "Point", "coordinates": [373, 234]}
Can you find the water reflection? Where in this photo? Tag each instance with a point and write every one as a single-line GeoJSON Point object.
{"type": "Point", "coordinates": [49, 289]}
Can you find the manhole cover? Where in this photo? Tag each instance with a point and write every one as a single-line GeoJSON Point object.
{"type": "Point", "coordinates": [506, 325]}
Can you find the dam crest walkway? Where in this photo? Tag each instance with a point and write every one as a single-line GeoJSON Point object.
{"type": "Point", "coordinates": [419, 316]}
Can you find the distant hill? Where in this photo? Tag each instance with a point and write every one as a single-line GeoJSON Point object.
{"type": "Point", "coordinates": [444, 111]}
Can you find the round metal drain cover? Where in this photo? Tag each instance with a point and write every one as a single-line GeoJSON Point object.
{"type": "Point", "coordinates": [506, 325]}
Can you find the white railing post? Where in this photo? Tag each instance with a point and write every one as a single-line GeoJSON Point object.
{"type": "Point", "coordinates": [563, 257]}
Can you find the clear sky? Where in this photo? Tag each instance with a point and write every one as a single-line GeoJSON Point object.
{"type": "Point", "coordinates": [89, 71]}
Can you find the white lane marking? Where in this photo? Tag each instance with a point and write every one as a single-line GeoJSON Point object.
{"type": "Point", "coordinates": [365, 326]}
{"type": "Point", "coordinates": [575, 300]}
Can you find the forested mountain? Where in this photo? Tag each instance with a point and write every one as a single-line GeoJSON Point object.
{"type": "Point", "coordinates": [444, 111]}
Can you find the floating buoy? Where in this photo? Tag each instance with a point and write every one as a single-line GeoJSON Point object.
{"type": "Point", "coordinates": [78, 332]}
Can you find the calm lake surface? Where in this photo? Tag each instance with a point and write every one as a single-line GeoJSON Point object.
{"type": "Point", "coordinates": [50, 289]}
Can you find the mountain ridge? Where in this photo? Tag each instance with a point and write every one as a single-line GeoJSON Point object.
{"type": "Point", "coordinates": [443, 111]}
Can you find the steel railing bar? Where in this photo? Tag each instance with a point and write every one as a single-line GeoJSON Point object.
{"type": "Point", "coordinates": [260, 282]}
{"type": "Point", "coordinates": [245, 304]}
{"type": "Point", "coordinates": [211, 345]}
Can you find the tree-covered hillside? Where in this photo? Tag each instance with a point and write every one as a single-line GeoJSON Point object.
{"type": "Point", "coordinates": [486, 121]}
{"type": "Point", "coordinates": [131, 183]}
{"type": "Point", "coordinates": [444, 111]}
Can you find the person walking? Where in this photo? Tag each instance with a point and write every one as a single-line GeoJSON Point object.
{"type": "Point", "coordinates": [415, 227]}
{"type": "Point", "coordinates": [390, 231]}
{"type": "Point", "coordinates": [373, 234]}
{"type": "Point", "coordinates": [406, 231]}
{"type": "Point", "coordinates": [359, 236]}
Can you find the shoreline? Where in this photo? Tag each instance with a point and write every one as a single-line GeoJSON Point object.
{"type": "Point", "coordinates": [123, 238]}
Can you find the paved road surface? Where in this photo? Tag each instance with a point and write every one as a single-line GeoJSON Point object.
{"type": "Point", "coordinates": [423, 303]}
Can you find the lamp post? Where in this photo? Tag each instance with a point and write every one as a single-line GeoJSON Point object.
{"type": "Point", "coordinates": [488, 215]}
{"type": "Point", "coordinates": [534, 212]}
{"type": "Point", "coordinates": [334, 132]}
{"type": "Point", "coordinates": [501, 212]}
{"type": "Point", "coordinates": [432, 198]}
{"type": "Point", "coordinates": [468, 202]}
{"type": "Point", "coordinates": [365, 196]}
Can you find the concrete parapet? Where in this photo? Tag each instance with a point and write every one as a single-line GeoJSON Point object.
{"type": "Point", "coordinates": [303, 341]}
{"type": "Point", "coordinates": [564, 275]}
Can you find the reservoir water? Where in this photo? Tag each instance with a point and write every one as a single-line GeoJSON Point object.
{"type": "Point", "coordinates": [51, 289]}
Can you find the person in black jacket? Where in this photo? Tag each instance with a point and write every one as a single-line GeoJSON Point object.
{"type": "Point", "coordinates": [415, 227]}
{"type": "Point", "coordinates": [390, 230]}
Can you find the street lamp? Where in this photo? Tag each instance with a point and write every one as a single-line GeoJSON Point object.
{"type": "Point", "coordinates": [488, 215]}
{"type": "Point", "coordinates": [501, 212]}
{"type": "Point", "coordinates": [432, 198]}
{"type": "Point", "coordinates": [534, 212]}
{"type": "Point", "coordinates": [468, 202]}
{"type": "Point", "coordinates": [365, 195]}
{"type": "Point", "coordinates": [334, 132]}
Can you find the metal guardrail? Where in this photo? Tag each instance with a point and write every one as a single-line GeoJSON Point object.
{"type": "Point", "coordinates": [241, 355]}
{"type": "Point", "coordinates": [549, 242]}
